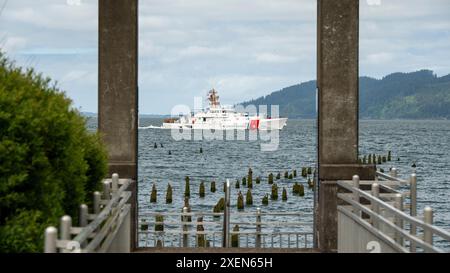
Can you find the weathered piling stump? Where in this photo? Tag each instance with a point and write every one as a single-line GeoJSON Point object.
{"type": "Point", "coordinates": [274, 194]}
{"type": "Point", "coordinates": [189, 209]}
{"type": "Point", "coordinates": [384, 159]}
{"type": "Point", "coordinates": [144, 225]}
{"type": "Point", "coordinates": [310, 183]}
{"type": "Point", "coordinates": [169, 194]}
{"type": "Point", "coordinates": [220, 206]}
{"type": "Point", "coordinates": [240, 201]}
{"type": "Point", "coordinates": [258, 180]}
{"type": "Point", "coordinates": [291, 176]}
{"type": "Point", "coordinates": [170, 152]}
{"type": "Point", "coordinates": [201, 237]}
{"type": "Point", "coordinates": [250, 178]}
{"type": "Point", "coordinates": [294, 172]}
{"type": "Point", "coordinates": [304, 172]}
{"type": "Point", "coordinates": [286, 174]}
{"type": "Point", "coordinates": [153, 195]}
{"type": "Point", "coordinates": [278, 175]}
{"type": "Point", "coordinates": [238, 184]}
{"type": "Point", "coordinates": [389, 156]}
{"type": "Point", "coordinates": [213, 186]}
{"type": "Point", "coordinates": [265, 200]}
{"type": "Point", "coordinates": [284, 195]}
{"type": "Point", "coordinates": [235, 237]}
{"type": "Point", "coordinates": [364, 160]}
{"type": "Point", "coordinates": [369, 159]}
{"type": "Point", "coordinates": [187, 187]}
{"type": "Point", "coordinates": [155, 145]}
{"type": "Point", "coordinates": [162, 146]}
{"type": "Point", "coordinates": [249, 197]}
{"type": "Point", "coordinates": [301, 190]}
{"type": "Point", "coordinates": [379, 160]}
{"type": "Point", "coordinates": [270, 179]}
{"type": "Point", "coordinates": [244, 181]}
{"type": "Point", "coordinates": [159, 222]}
{"type": "Point", "coordinates": [201, 190]}
{"type": "Point", "coordinates": [201, 150]}
{"type": "Point", "coordinates": [309, 170]}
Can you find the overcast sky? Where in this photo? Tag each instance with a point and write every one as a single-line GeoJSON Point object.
{"type": "Point", "coordinates": [243, 48]}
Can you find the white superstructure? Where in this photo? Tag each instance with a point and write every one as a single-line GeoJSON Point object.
{"type": "Point", "coordinates": [218, 117]}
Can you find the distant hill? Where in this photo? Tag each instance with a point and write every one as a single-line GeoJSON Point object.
{"type": "Point", "coordinates": [415, 95]}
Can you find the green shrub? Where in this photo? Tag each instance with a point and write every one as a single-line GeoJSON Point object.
{"type": "Point", "coordinates": [49, 162]}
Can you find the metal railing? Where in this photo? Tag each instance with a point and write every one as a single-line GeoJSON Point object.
{"type": "Point", "coordinates": [380, 211]}
{"type": "Point", "coordinates": [106, 229]}
{"type": "Point", "coordinates": [177, 229]}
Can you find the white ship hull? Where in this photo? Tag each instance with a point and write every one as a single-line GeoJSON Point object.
{"type": "Point", "coordinates": [218, 117]}
{"type": "Point", "coordinates": [261, 124]}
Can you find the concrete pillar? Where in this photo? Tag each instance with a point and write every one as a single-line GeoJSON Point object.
{"type": "Point", "coordinates": [118, 89]}
{"type": "Point", "coordinates": [337, 83]}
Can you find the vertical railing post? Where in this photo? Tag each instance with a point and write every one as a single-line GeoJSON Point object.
{"type": "Point", "coordinates": [355, 180]}
{"type": "Point", "coordinates": [413, 207]}
{"type": "Point", "coordinates": [51, 235]}
{"type": "Point", "coordinates": [375, 193]}
{"type": "Point", "coordinates": [258, 228]}
{"type": "Point", "coordinates": [398, 199]}
{"type": "Point", "coordinates": [185, 227]}
{"type": "Point", "coordinates": [106, 190]}
{"type": "Point", "coordinates": [115, 182]}
{"type": "Point", "coordinates": [96, 203]}
{"type": "Point", "coordinates": [394, 172]}
{"type": "Point", "coordinates": [65, 227]}
{"type": "Point", "coordinates": [428, 219]}
{"type": "Point", "coordinates": [226, 217]}
{"type": "Point", "coordinates": [83, 217]}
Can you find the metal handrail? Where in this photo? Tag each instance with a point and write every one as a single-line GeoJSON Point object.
{"type": "Point", "coordinates": [105, 221]}
{"type": "Point", "coordinates": [396, 212]}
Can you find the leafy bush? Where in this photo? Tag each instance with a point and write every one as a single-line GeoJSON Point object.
{"type": "Point", "coordinates": [49, 162]}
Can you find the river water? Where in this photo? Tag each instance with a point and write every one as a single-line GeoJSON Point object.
{"type": "Point", "coordinates": [427, 143]}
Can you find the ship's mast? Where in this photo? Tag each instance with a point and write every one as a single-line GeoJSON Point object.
{"type": "Point", "coordinates": [213, 99]}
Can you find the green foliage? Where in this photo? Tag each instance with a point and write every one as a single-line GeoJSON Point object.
{"type": "Point", "coordinates": [415, 95]}
{"type": "Point", "coordinates": [49, 162]}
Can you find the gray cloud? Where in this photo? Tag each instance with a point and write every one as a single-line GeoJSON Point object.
{"type": "Point", "coordinates": [243, 48]}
